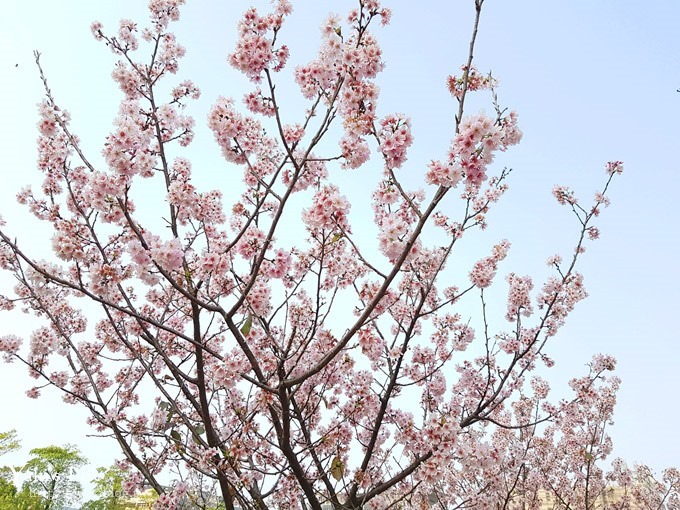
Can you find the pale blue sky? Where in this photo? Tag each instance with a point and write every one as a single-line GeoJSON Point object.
{"type": "Point", "coordinates": [592, 80]}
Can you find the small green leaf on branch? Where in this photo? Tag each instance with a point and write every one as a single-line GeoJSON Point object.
{"type": "Point", "coordinates": [247, 325]}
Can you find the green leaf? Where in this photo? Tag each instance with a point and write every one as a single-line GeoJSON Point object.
{"type": "Point", "coordinates": [245, 329]}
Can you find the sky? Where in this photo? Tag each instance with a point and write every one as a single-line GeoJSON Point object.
{"type": "Point", "coordinates": [592, 81]}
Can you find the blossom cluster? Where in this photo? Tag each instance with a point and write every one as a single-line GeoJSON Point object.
{"type": "Point", "coordinates": [329, 210]}
{"type": "Point", "coordinates": [471, 80]}
{"type": "Point", "coordinates": [484, 270]}
{"type": "Point", "coordinates": [240, 136]}
{"type": "Point", "coordinates": [127, 149]}
{"type": "Point", "coordinates": [189, 203]}
{"type": "Point", "coordinates": [473, 150]}
{"type": "Point", "coordinates": [395, 216]}
{"type": "Point", "coordinates": [395, 138]}
{"type": "Point", "coordinates": [9, 345]}
{"type": "Point", "coordinates": [519, 299]}
{"type": "Point", "coordinates": [255, 52]}
{"type": "Point", "coordinates": [344, 69]}
{"type": "Point", "coordinates": [560, 296]}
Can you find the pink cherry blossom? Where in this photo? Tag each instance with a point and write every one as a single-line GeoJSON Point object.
{"type": "Point", "coordinates": [485, 269]}
{"type": "Point", "coordinates": [395, 136]}
{"type": "Point", "coordinates": [470, 80]}
{"type": "Point", "coordinates": [329, 210]}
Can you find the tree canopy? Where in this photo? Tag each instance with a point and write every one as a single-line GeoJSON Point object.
{"type": "Point", "coordinates": [52, 470]}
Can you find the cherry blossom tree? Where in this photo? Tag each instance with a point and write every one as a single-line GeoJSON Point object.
{"type": "Point", "coordinates": [280, 346]}
{"type": "Point", "coordinates": [639, 487]}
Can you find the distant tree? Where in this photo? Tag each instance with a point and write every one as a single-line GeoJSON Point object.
{"type": "Point", "coordinates": [642, 488]}
{"type": "Point", "coordinates": [52, 469]}
{"type": "Point", "coordinates": [108, 486]}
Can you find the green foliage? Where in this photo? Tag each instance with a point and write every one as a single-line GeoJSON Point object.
{"type": "Point", "coordinates": [9, 442]}
{"type": "Point", "coordinates": [109, 487]}
{"type": "Point", "coordinates": [7, 493]}
{"type": "Point", "coordinates": [51, 469]}
{"type": "Point", "coordinates": [13, 499]}
{"type": "Point", "coordinates": [6, 473]}
{"type": "Point", "coordinates": [110, 483]}
{"type": "Point", "coordinates": [10, 497]}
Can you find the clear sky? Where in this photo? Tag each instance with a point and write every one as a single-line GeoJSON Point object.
{"type": "Point", "coordinates": [592, 80]}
